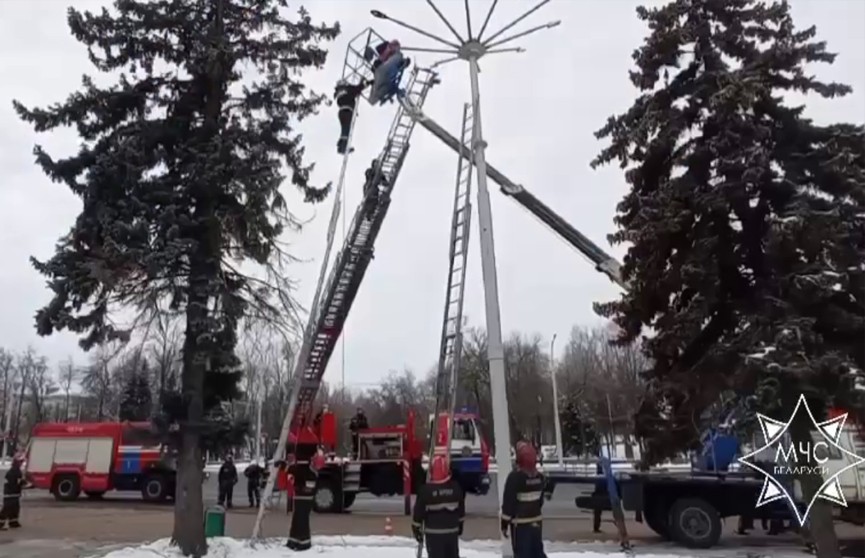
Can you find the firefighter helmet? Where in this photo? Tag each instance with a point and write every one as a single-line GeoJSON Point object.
{"type": "Point", "coordinates": [439, 469]}
{"type": "Point", "coordinates": [526, 456]}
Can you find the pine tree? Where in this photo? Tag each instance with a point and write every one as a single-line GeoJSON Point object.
{"type": "Point", "coordinates": [136, 403]}
{"type": "Point", "coordinates": [179, 172]}
{"type": "Point", "coordinates": [747, 225]}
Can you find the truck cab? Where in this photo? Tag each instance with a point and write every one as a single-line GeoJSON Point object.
{"type": "Point", "coordinates": [468, 452]}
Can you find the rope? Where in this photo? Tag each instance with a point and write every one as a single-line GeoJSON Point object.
{"type": "Point", "coordinates": [308, 335]}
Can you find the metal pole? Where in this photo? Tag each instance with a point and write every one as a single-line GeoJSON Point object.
{"type": "Point", "coordinates": [495, 350]}
{"type": "Point", "coordinates": [556, 420]}
{"type": "Point", "coordinates": [258, 405]}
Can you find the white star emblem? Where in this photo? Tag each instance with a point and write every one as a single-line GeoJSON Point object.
{"type": "Point", "coordinates": [830, 431]}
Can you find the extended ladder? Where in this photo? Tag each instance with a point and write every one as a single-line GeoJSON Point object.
{"type": "Point", "coordinates": [327, 321]}
{"type": "Point", "coordinates": [450, 351]}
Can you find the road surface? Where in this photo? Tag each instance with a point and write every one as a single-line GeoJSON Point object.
{"type": "Point", "coordinates": [561, 506]}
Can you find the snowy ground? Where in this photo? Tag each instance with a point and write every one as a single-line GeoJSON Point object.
{"type": "Point", "coordinates": [398, 547]}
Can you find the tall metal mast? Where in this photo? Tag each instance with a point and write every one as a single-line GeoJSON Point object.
{"type": "Point", "coordinates": [472, 49]}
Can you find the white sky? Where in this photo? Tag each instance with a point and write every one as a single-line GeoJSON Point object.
{"type": "Point", "coordinates": [540, 110]}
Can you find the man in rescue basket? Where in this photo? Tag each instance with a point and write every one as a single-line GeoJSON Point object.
{"type": "Point", "coordinates": [523, 499]}
{"type": "Point", "coordinates": [305, 477]}
{"type": "Point", "coordinates": [439, 511]}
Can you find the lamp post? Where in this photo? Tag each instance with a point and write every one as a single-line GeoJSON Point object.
{"type": "Point", "coordinates": [556, 420]}
{"type": "Point", "coordinates": [471, 49]}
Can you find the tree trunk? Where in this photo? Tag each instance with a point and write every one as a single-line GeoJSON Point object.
{"type": "Point", "coordinates": [820, 525]}
{"type": "Point", "coordinates": [204, 268]}
{"type": "Point", "coordinates": [188, 504]}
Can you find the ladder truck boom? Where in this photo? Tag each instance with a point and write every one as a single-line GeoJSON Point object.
{"type": "Point", "coordinates": [603, 262]}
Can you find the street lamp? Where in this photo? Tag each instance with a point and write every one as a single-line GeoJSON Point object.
{"type": "Point", "coordinates": [556, 420]}
{"type": "Point", "coordinates": [471, 49]}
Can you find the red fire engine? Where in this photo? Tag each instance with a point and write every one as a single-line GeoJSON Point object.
{"type": "Point", "coordinates": [93, 458]}
{"type": "Point", "coordinates": [390, 462]}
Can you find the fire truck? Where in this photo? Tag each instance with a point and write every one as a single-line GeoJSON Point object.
{"type": "Point", "coordinates": [70, 458]}
{"type": "Point", "coordinates": [468, 455]}
{"type": "Point", "coordinates": [390, 462]}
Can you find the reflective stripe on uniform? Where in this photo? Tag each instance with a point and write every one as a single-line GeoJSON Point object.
{"type": "Point", "coordinates": [529, 496]}
{"type": "Point", "coordinates": [298, 541]}
{"type": "Point", "coordinates": [310, 484]}
{"type": "Point", "coordinates": [524, 520]}
{"type": "Point", "coordinates": [506, 517]}
{"type": "Point", "coordinates": [11, 496]}
{"type": "Point", "coordinates": [304, 498]}
{"type": "Point", "coordinates": [443, 506]}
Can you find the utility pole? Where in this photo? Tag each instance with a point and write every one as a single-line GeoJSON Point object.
{"type": "Point", "coordinates": [472, 49]}
{"type": "Point", "coordinates": [556, 418]}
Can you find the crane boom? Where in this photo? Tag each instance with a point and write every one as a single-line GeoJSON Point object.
{"type": "Point", "coordinates": [603, 262]}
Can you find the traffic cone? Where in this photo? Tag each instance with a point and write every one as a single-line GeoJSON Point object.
{"type": "Point", "coordinates": [388, 527]}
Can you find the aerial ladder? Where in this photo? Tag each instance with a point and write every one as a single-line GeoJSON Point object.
{"type": "Point", "coordinates": [327, 317]}
{"type": "Point", "coordinates": [450, 351]}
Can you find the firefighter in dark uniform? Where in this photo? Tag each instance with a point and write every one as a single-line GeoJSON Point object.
{"type": "Point", "coordinates": [305, 476]}
{"type": "Point", "coordinates": [439, 511]}
{"type": "Point", "coordinates": [346, 96]}
{"type": "Point", "coordinates": [12, 495]}
{"type": "Point", "coordinates": [522, 504]}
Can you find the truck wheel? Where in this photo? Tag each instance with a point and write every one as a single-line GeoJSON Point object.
{"type": "Point", "coordinates": [154, 489]}
{"type": "Point", "coordinates": [67, 488]}
{"type": "Point", "coordinates": [695, 523]}
{"type": "Point", "coordinates": [94, 495]}
{"type": "Point", "coordinates": [348, 500]}
{"type": "Point", "coordinates": [327, 498]}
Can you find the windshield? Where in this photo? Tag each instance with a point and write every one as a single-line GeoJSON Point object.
{"type": "Point", "coordinates": [464, 430]}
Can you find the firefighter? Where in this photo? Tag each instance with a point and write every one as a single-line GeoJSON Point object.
{"type": "Point", "coordinates": [253, 473]}
{"type": "Point", "coordinates": [305, 475]}
{"type": "Point", "coordinates": [439, 511]}
{"type": "Point", "coordinates": [358, 423]}
{"type": "Point", "coordinates": [12, 495]}
{"type": "Point", "coordinates": [227, 478]}
{"type": "Point", "coordinates": [522, 504]}
{"type": "Point", "coordinates": [346, 96]}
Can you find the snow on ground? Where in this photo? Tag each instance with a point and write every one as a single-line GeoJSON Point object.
{"type": "Point", "coordinates": [399, 547]}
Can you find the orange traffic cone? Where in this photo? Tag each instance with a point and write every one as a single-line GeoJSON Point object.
{"type": "Point", "coordinates": [388, 528]}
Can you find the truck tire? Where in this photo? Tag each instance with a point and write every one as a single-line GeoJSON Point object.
{"type": "Point", "coordinates": [154, 488]}
{"type": "Point", "coordinates": [327, 498]}
{"type": "Point", "coordinates": [695, 523]}
{"type": "Point", "coordinates": [67, 488]}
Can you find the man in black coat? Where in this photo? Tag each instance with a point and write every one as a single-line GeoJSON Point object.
{"type": "Point", "coordinates": [227, 478]}
{"type": "Point", "coordinates": [439, 512]}
{"type": "Point", "coordinates": [254, 474]}
{"type": "Point", "coordinates": [12, 495]}
{"type": "Point", "coordinates": [522, 503]}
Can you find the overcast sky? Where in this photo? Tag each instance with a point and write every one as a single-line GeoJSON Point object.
{"type": "Point", "coordinates": [540, 110]}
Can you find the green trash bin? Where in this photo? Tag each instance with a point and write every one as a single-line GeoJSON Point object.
{"type": "Point", "coordinates": [214, 522]}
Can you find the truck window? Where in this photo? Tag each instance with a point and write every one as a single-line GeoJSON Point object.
{"type": "Point", "coordinates": [41, 455]}
{"type": "Point", "coordinates": [139, 436]}
{"type": "Point", "coordinates": [464, 430]}
{"type": "Point", "coordinates": [71, 451]}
